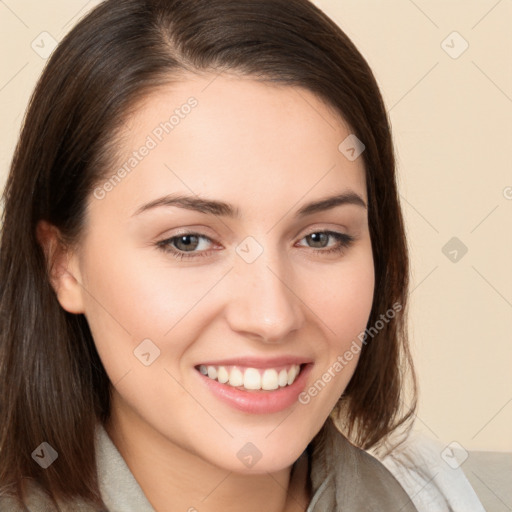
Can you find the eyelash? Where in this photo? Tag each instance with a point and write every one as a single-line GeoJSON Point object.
{"type": "Point", "coordinates": [344, 242]}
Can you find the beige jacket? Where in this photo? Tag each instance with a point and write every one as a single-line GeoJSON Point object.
{"type": "Point", "coordinates": [343, 477]}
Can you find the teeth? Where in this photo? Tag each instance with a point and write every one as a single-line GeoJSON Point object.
{"type": "Point", "coordinates": [222, 375]}
{"type": "Point", "coordinates": [212, 372]}
{"type": "Point", "coordinates": [269, 380]}
{"type": "Point", "coordinates": [252, 378]}
{"type": "Point", "coordinates": [292, 373]}
{"type": "Point", "coordinates": [236, 378]}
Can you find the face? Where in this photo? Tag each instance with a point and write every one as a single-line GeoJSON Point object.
{"type": "Point", "coordinates": [237, 281]}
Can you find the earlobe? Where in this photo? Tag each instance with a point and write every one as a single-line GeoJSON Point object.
{"type": "Point", "coordinates": [62, 268]}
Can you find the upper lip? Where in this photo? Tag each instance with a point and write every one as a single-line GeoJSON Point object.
{"type": "Point", "coordinates": [258, 362]}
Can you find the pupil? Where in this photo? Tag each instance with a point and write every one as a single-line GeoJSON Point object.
{"type": "Point", "coordinates": [316, 237]}
{"type": "Point", "coordinates": [185, 240]}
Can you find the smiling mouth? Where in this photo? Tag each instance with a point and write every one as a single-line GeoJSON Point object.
{"type": "Point", "coordinates": [252, 379]}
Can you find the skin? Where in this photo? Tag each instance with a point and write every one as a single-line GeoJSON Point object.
{"type": "Point", "coordinates": [267, 150]}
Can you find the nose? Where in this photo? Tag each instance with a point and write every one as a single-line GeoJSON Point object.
{"type": "Point", "coordinates": [263, 304]}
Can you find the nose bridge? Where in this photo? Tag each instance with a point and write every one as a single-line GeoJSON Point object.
{"type": "Point", "coordinates": [263, 303]}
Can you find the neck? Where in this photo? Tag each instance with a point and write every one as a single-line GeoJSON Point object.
{"type": "Point", "coordinates": [173, 478]}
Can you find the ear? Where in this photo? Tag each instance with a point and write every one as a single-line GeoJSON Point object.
{"type": "Point", "coordinates": [63, 268]}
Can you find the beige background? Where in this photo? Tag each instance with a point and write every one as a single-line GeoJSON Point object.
{"type": "Point", "coordinates": [452, 122]}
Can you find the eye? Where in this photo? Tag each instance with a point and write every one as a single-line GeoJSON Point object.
{"type": "Point", "coordinates": [180, 245]}
{"type": "Point", "coordinates": [189, 245]}
{"type": "Point", "coordinates": [321, 238]}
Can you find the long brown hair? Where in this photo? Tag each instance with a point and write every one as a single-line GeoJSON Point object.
{"type": "Point", "coordinates": [53, 386]}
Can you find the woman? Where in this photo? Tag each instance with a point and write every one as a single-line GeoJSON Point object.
{"type": "Point", "coordinates": [204, 269]}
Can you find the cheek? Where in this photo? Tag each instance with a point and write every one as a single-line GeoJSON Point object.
{"type": "Point", "coordinates": [128, 300]}
{"type": "Point", "coordinates": [344, 304]}
{"type": "Point", "coordinates": [344, 298]}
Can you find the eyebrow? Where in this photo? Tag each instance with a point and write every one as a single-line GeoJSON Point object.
{"type": "Point", "coordinates": [220, 208]}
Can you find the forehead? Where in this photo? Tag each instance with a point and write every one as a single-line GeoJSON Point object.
{"type": "Point", "coordinates": [236, 139]}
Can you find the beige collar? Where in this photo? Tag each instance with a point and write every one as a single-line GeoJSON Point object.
{"type": "Point", "coordinates": [346, 478]}
{"type": "Point", "coordinates": [342, 476]}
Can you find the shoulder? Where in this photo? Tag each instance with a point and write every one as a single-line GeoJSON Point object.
{"type": "Point", "coordinates": [10, 504]}
{"type": "Point", "coordinates": [343, 474]}
{"type": "Point", "coordinates": [431, 474]}
{"type": "Point", "coordinates": [37, 500]}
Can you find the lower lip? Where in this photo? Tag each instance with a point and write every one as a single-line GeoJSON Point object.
{"type": "Point", "coordinates": [259, 401]}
